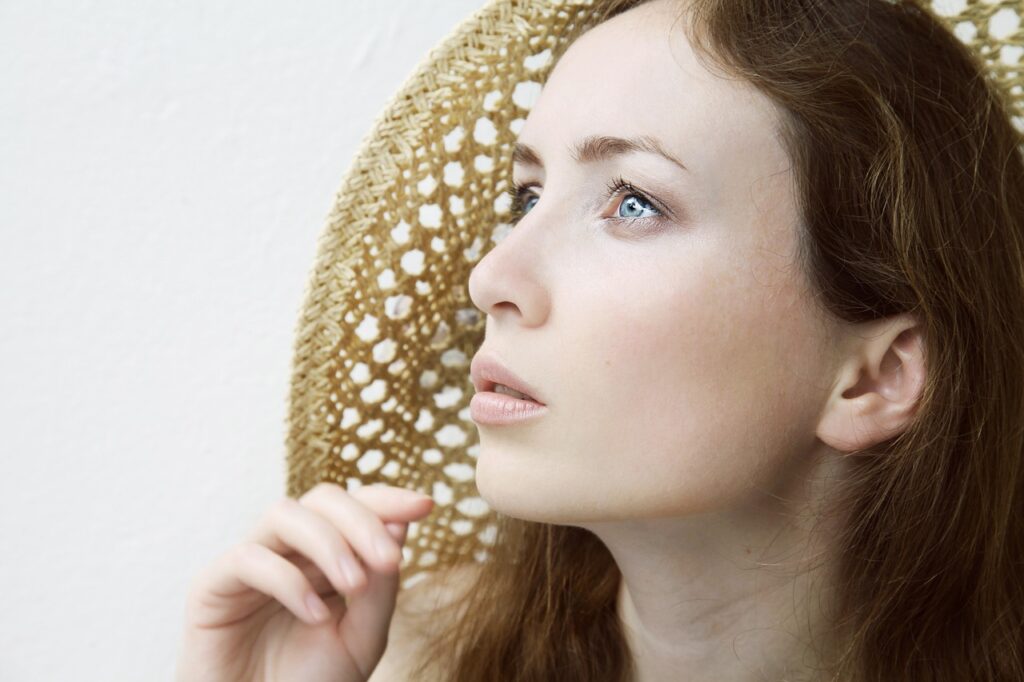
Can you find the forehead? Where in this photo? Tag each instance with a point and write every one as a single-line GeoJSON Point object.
{"type": "Point", "coordinates": [636, 75]}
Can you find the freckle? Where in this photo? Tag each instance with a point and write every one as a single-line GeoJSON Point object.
{"type": "Point", "coordinates": [747, 550]}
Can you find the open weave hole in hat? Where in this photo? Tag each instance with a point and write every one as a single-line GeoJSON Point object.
{"type": "Point", "coordinates": [380, 384]}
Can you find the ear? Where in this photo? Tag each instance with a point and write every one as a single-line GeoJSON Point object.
{"type": "Point", "coordinates": [878, 385]}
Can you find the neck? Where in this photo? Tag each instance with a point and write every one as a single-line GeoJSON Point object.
{"type": "Point", "coordinates": [741, 594]}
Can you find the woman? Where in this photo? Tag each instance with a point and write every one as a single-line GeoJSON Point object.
{"type": "Point", "coordinates": [767, 283]}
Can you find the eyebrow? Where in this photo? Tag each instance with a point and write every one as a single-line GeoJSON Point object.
{"type": "Point", "coordinates": [598, 148]}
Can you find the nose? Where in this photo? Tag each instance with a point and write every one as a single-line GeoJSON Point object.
{"type": "Point", "coordinates": [508, 282]}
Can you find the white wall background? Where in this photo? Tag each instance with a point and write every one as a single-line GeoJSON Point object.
{"type": "Point", "coordinates": [165, 169]}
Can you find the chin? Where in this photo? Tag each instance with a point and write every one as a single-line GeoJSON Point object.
{"type": "Point", "coordinates": [513, 486]}
{"type": "Point", "coordinates": [527, 490]}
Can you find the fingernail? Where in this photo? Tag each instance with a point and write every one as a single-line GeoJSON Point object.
{"type": "Point", "coordinates": [349, 569]}
{"type": "Point", "coordinates": [386, 549]}
{"type": "Point", "coordinates": [316, 607]}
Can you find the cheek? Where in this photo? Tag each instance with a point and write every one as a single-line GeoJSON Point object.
{"type": "Point", "coordinates": [688, 380]}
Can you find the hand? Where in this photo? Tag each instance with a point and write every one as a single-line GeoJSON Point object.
{"type": "Point", "coordinates": [248, 615]}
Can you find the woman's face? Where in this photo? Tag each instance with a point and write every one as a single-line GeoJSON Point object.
{"type": "Point", "coordinates": [670, 331]}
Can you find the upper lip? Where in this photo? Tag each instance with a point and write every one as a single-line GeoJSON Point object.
{"type": "Point", "coordinates": [486, 371]}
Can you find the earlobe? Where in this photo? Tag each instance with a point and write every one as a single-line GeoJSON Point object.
{"type": "Point", "coordinates": [879, 385]}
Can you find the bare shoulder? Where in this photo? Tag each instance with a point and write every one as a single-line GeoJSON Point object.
{"type": "Point", "coordinates": [416, 609]}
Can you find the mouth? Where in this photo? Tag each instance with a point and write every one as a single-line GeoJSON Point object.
{"type": "Point", "coordinates": [490, 375]}
{"type": "Point", "coordinates": [502, 388]}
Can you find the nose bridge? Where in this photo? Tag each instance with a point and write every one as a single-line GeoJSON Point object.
{"type": "Point", "coordinates": [515, 269]}
{"type": "Point", "coordinates": [529, 233]}
{"type": "Point", "coordinates": [535, 239]}
{"type": "Point", "coordinates": [541, 228]}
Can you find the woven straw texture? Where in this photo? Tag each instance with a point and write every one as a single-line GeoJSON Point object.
{"type": "Point", "coordinates": [380, 383]}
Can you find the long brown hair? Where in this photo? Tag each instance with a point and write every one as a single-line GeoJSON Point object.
{"type": "Point", "coordinates": [910, 183]}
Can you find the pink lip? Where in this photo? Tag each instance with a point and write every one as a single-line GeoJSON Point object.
{"type": "Point", "coordinates": [495, 409]}
{"type": "Point", "coordinates": [486, 371]}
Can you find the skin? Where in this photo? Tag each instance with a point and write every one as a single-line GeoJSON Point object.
{"type": "Point", "coordinates": [699, 404]}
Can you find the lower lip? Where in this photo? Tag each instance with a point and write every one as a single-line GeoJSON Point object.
{"type": "Point", "coordinates": [495, 409]}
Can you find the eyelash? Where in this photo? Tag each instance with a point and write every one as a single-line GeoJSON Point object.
{"type": "Point", "coordinates": [614, 188]}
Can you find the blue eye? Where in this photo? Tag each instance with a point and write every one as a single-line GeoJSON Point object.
{"type": "Point", "coordinates": [519, 200]}
{"type": "Point", "coordinates": [634, 201]}
{"type": "Point", "coordinates": [522, 200]}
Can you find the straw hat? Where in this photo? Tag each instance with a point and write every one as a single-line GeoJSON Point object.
{"type": "Point", "coordinates": [380, 384]}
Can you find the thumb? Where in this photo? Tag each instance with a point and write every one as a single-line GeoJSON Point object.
{"type": "Point", "coordinates": [368, 613]}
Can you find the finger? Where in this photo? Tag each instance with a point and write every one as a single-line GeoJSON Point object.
{"type": "Point", "coordinates": [368, 614]}
{"type": "Point", "coordinates": [246, 567]}
{"type": "Point", "coordinates": [289, 526]}
{"type": "Point", "coordinates": [321, 584]}
{"type": "Point", "coordinates": [388, 502]}
{"type": "Point", "coordinates": [398, 531]}
{"type": "Point", "coordinates": [360, 517]}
